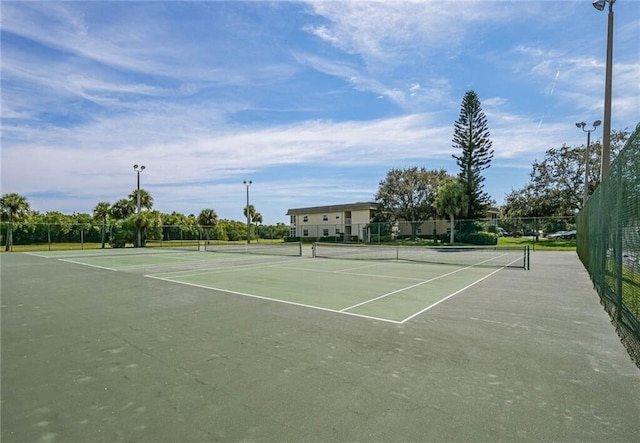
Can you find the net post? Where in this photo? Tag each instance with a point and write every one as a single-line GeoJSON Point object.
{"type": "Point", "coordinates": [527, 260]}
{"type": "Point", "coordinates": [300, 248]}
{"type": "Point", "coordinates": [313, 250]}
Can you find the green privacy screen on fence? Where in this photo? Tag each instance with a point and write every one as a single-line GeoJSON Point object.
{"type": "Point", "coordinates": [608, 242]}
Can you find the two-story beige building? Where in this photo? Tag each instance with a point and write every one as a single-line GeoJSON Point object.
{"type": "Point", "coordinates": [348, 220]}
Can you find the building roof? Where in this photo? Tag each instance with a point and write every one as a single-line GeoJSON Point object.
{"type": "Point", "coordinates": [359, 206]}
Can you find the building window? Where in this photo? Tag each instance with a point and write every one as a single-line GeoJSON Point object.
{"type": "Point", "coordinates": [292, 220]}
{"type": "Point", "coordinates": [337, 216]}
{"type": "Point", "coordinates": [305, 218]}
{"type": "Point", "coordinates": [305, 232]}
{"type": "Point", "coordinates": [337, 231]}
{"type": "Point", "coordinates": [325, 217]}
{"type": "Point", "coordinates": [292, 231]}
{"type": "Point", "coordinates": [325, 232]}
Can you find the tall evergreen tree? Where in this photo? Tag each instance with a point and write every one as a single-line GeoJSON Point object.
{"type": "Point", "coordinates": [471, 136]}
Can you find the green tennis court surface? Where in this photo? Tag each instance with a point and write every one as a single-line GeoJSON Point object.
{"type": "Point", "coordinates": [166, 346]}
{"type": "Point", "coordinates": [393, 292]}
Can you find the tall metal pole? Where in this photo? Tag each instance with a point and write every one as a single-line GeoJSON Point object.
{"type": "Point", "coordinates": [139, 170]}
{"type": "Point", "coordinates": [606, 128]}
{"type": "Point", "coordinates": [586, 158]}
{"type": "Point", "coordinates": [586, 171]}
{"type": "Point", "coordinates": [247, 184]}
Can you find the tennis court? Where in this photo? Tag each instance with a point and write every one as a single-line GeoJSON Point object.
{"type": "Point", "coordinates": [381, 283]}
{"type": "Point", "coordinates": [167, 345]}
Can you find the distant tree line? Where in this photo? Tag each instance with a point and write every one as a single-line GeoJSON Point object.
{"type": "Point", "coordinates": [117, 224]}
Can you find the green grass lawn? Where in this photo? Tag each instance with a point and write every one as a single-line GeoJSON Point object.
{"type": "Point", "coordinates": [542, 244]}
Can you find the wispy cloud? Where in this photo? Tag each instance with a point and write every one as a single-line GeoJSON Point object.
{"type": "Point", "coordinates": [314, 100]}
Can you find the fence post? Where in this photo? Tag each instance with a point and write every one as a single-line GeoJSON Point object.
{"type": "Point", "coordinates": [618, 246]}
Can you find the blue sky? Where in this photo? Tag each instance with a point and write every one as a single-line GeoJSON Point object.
{"type": "Point", "coordinates": [312, 101]}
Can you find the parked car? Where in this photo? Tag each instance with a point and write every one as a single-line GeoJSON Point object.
{"type": "Point", "coordinates": [562, 235]}
{"type": "Point", "coordinates": [501, 232]}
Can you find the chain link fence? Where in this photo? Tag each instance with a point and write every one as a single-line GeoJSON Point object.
{"type": "Point", "coordinates": [609, 242]}
{"type": "Point", "coordinates": [483, 231]}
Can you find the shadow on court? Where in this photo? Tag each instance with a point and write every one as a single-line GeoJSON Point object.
{"type": "Point", "coordinates": [91, 354]}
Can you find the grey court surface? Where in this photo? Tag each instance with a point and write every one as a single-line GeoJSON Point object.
{"type": "Point", "coordinates": [91, 354]}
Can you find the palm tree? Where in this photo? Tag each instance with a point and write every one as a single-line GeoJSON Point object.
{"type": "Point", "coordinates": [452, 200]}
{"type": "Point", "coordinates": [250, 218]}
{"type": "Point", "coordinates": [122, 209]}
{"type": "Point", "coordinates": [146, 201]}
{"type": "Point", "coordinates": [257, 218]}
{"type": "Point", "coordinates": [102, 212]}
{"type": "Point", "coordinates": [15, 208]}
{"type": "Point", "coordinates": [208, 219]}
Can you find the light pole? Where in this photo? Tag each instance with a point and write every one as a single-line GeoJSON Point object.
{"type": "Point", "coordinates": [606, 127]}
{"type": "Point", "coordinates": [247, 184]}
{"type": "Point", "coordinates": [586, 158]}
{"type": "Point", "coordinates": [138, 169]}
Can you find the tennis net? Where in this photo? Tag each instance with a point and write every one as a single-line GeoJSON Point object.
{"type": "Point", "coordinates": [293, 249]}
{"type": "Point", "coordinates": [489, 256]}
{"type": "Point", "coordinates": [172, 245]}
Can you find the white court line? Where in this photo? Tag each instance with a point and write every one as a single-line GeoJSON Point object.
{"type": "Point", "coordinates": [428, 281]}
{"type": "Point", "coordinates": [35, 254]}
{"type": "Point", "coordinates": [449, 296]}
{"type": "Point", "coordinates": [87, 264]}
{"type": "Point", "coordinates": [404, 289]}
{"type": "Point", "coordinates": [244, 294]}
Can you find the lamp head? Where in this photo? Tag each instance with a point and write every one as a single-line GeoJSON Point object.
{"type": "Point", "coordinates": [135, 166]}
{"type": "Point", "coordinates": [581, 124]}
{"type": "Point", "coordinates": [142, 168]}
{"type": "Point", "coordinates": [599, 4]}
{"type": "Point", "coordinates": [596, 123]}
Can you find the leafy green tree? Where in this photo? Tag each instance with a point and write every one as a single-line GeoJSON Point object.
{"type": "Point", "coordinates": [101, 212]}
{"type": "Point", "coordinates": [208, 219]}
{"type": "Point", "coordinates": [556, 185]}
{"type": "Point", "coordinates": [234, 230]}
{"type": "Point", "coordinates": [279, 230]}
{"type": "Point", "coordinates": [178, 226]}
{"type": "Point", "coordinates": [408, 194]}
{"type": "Point", "coordinates": [471, 137]}
{"type": "Point", "coordinates": [15, 208]}
{"type": "Point", "coordinates": [380, 228]}
{"type": "Point", "coordinates": [122, 209]}
{"type": "Point", "coordinates": [451, 201]}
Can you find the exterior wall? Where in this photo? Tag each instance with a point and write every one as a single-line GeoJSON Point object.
{"type": "Point", "coordinates": [426, 228]}
{"type": "Point", "coordinates": [351, 219]}
{"type": "Point", "coordinates": [329, 221]}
